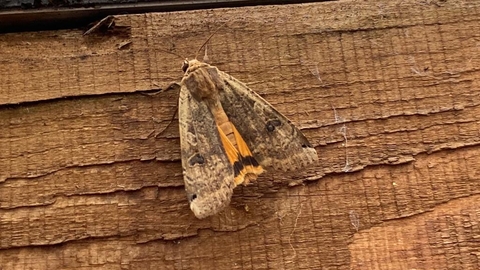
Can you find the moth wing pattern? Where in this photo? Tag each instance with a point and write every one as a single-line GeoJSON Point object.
{"type": "Point", "coordinates": [273, 139]}
{"type": "Point", "coordinates": [208, 175]}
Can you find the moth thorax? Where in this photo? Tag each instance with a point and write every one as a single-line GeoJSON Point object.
{"type": "Point", "coordinates": [205, 87]}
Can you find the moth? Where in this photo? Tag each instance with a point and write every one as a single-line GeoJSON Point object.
{"type": "Point", "coordinates": [229, 135]}
{"type": "Point", "coordinates": [102, 26]}
{"type": "Point", "coordinates": [107, 25]}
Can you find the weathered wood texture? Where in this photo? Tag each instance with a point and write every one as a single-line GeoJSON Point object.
{"type": "Point", "coordinates": [387, 91]}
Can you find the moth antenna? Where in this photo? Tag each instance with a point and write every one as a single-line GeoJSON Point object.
{"type": "Point", "coordinates": [208, 39]}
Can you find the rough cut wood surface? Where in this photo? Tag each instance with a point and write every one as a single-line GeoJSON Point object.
{"type": "Point", "coordinates": [387, 91]}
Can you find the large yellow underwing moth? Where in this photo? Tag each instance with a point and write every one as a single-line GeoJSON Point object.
{"type": "Point", "coordinates": [228, 135]}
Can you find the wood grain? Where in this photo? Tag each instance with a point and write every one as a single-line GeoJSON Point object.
{"type": "Point", "coordinates": [387, 91]}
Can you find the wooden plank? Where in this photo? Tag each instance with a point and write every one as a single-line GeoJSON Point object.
{"type": "Point", "coordinates": [387, 91]}
{"type": "Point", "coordinates": [33, 15]}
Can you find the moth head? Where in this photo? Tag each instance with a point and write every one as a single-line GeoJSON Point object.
{"type": "Point", "coordinates": [185, 65]}
{"type": "Point", "coordinates": [189, 66]}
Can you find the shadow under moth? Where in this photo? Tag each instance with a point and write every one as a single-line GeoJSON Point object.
{"type": "Point", "coordinates": [228, 135]}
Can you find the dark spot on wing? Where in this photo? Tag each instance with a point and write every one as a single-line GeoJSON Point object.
{"type": "Point", "coordinates": [192, 197]}
{"type": "Point", "coordinates": [196, 159]}
{"type": "Point", "coordinates": [306, 145]}
{"type": "Point", "coordinates": [271, 124]}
